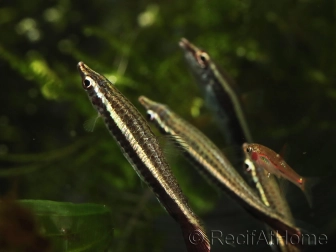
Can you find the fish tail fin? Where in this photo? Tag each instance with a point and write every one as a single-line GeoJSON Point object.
{"type": "Point", "coordinates": [195, 238]}
{"type": "Point", "coordinates": [307, 185]}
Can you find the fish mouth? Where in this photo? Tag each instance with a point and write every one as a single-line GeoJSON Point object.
{"type": "Point", "coordinates": [144, 101]}
{"type": "Point", "coordinates": [191, 51]}
{"type": "Point", "coordinates": [147, 103]}
{"type": "Point", "coordinates": [187, 46]}
{"type": "Point", "coordinates": [82, 69]}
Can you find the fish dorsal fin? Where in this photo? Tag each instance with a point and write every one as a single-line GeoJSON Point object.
{"type": "Point", "coordinates": [252, 101]}
{"type": "Point", "coordinates": [284, 151]}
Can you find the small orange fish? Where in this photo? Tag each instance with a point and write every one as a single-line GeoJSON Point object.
{"type": "Point", "coordinates": [275, 164]}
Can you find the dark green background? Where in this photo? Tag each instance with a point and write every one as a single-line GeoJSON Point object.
{"type": "Point", "coordinates": [281, 53]}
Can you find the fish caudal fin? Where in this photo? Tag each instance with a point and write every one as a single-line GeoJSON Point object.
{"type": "Point", "coordinates": [307, 185]}
{"type": "Point", "coordinates": [195, 238]}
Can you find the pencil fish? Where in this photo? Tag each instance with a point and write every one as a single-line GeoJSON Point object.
{"type": "Point", "coordinates": [210, 161]}
{"type": "Point", "coordinates": [271, 195]}
{"type": "Point", "coordinates": [142, 150]}
{"type": "Point", "coordinates": [220, 94]}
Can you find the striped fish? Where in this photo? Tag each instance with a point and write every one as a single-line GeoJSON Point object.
{"type": "Point", "coordinates": [210, 161]}
{"type": "Point", "coordinates": [142, 150]}
{"type": "Point", "coordinates": [271, 196]}
{"type": "Point", "coordinates": [220, 94]}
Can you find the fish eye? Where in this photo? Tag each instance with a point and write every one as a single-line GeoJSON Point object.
{"type": "Point", "coordinates": [87, 83]}
{"type": "Point", "coordinates": [203, 59]}
{"type": "Point", "coordinates": [247, 167]}
{"type": "Point", "coordinates": [248, 149]}
{"type": "Point", "coordinates": [150, 115]}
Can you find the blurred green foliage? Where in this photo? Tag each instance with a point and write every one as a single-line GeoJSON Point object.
{"type": "Point", "coordinates": [281, 53]}
{"type": "Point", "coordinates": [73, 227]}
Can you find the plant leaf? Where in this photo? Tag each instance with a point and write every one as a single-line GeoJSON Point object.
{"type": "Point", "coordinates": [73, 227]}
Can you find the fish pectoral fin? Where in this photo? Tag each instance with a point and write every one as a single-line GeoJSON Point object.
{"type": "Point", "coordinates": [174, 144]}
{"type": "Point", "coordinates": [90, 123]}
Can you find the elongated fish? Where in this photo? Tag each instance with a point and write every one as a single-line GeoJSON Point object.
{"type": "Point", "coordinates": [270, 194]}
{"type": "Point", "coordinates": [275, 164]}
{"type": "Point", "coordinates": [142, 150]}
{"type": "Point", "coordinates": [220, 94]}
{"type": "Point", "coordinates": [210, 161]}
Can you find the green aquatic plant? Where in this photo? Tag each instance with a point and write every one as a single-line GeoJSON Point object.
{"type": "Point", "coordinates": [282, 51]}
